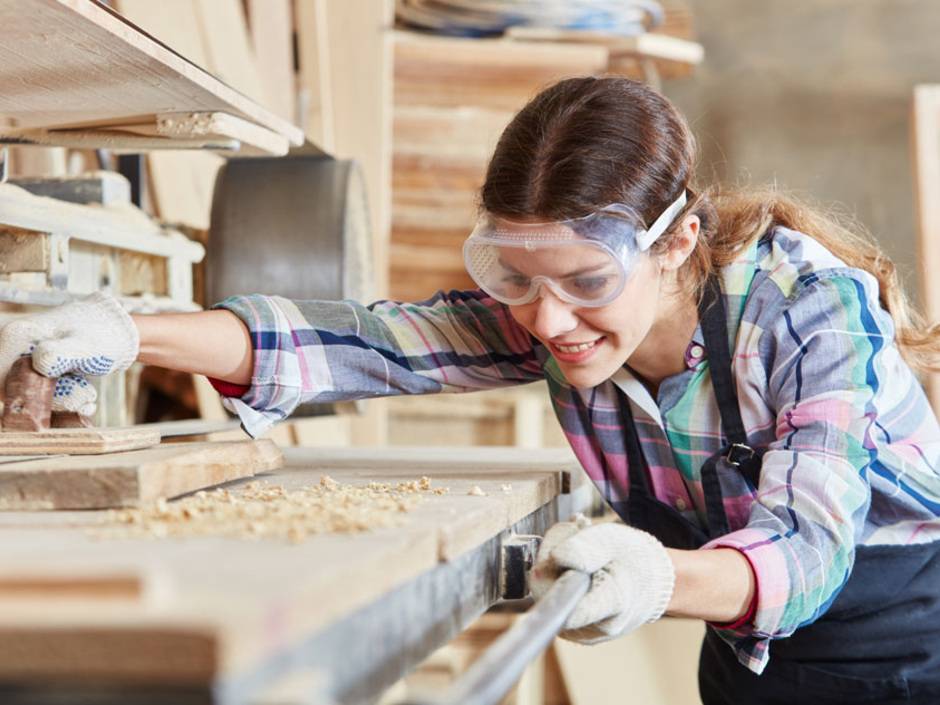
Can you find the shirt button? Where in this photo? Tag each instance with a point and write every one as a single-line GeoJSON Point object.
{"type": "Point", "coordinates": [696, 352]}
{"type": "Point", "coordinates": [680, 504]}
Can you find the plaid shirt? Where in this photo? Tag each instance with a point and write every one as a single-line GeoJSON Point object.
{"type": "Point", "coordinates": [852, 446]}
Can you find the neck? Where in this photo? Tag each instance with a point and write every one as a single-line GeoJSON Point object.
{"type": "Point", "coordinates": [662, 352]}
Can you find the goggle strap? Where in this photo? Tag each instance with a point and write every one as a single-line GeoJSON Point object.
{"type": "Point", "coordinates": [645, 239]}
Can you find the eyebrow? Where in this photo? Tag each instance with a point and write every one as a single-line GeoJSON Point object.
{"type": "Point", "coordinates": [576, 273]}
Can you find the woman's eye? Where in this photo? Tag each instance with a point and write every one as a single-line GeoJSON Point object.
{"type": "Point", "coordinates": [591, 284]}
{"type": "Point", "coordinates": [516, 280]}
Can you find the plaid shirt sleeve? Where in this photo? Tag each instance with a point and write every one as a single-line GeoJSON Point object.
{"type": "Point", "coordinates": [825, 351]}
{"type": "Point", "coordinates": [324, 351]}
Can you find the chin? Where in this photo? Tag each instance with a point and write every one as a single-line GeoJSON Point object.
{"type": "Point", "coordinates": [587, 378]}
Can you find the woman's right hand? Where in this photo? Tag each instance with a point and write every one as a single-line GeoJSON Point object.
{"type": "Point", "coordinates": [92, 336]}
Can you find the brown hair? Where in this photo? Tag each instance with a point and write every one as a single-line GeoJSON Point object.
{"type": "Point", "coordinates": [584, 143]}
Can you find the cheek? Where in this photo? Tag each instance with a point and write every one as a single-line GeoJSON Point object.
{"type": "Point", "coordinates": [523, 315]}
{"type": "Point", "coordinates": [630, 317]}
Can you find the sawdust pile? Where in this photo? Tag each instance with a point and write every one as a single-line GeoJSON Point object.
{"type": "Point", "coordinates": [259, 510]}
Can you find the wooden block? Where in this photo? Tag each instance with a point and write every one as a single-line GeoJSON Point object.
{"type": "Point", "coordinates": [75, 441]}
{"type": "Point", "coordinates": [131, 479]}
{"type": "Point", "coordinates": [23, 250]}
{"type": "Point", "coordinates": [142, 274]}
{"type": "Point", "coordinates": [27, 403]}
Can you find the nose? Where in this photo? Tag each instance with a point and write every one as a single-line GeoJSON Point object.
{"type": "Point", "coordinates": [553, 317]}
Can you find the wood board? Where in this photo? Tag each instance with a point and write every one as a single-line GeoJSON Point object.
{"type": "Point", "coordinates": [132, 479]}
{"type": "Point", "coordinates": [229, 607]}
{"type": "Point", "coordinates": [77, 441]}
{"type": "Point", "coordinates": [90, 66]}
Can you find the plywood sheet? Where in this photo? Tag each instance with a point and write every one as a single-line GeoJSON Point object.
{"type": "Point", "coordinates": [131, 479]}
{"type": "Point", "coordinates": [74, 62]}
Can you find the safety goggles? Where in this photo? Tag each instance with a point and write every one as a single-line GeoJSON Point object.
{"type": "Point", "coordinates": [584, 261]}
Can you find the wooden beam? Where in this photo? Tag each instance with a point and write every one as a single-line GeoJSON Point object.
{"type": "Point", "coordinates": [926, 153]}
{"type": "Point", "coordinates": [315, 77]}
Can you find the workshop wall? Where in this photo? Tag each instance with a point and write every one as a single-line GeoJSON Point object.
{"type": "Point", "coordinates": [815, 95]}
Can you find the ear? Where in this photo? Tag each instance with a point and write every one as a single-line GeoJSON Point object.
{"type": "Point", "coordinates": [683, 242]}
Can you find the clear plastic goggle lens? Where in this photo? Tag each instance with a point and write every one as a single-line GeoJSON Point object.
{"type": "Point", "coordinates": [586, 274]}
{"type": "Point", "coordinates": [585, 261]}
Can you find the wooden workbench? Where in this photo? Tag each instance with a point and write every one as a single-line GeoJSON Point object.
{"type": "Point", "coordinates": [225, 620]}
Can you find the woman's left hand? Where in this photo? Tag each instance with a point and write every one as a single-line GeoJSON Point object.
{"type": "Point", "coordinates": [632, 577]}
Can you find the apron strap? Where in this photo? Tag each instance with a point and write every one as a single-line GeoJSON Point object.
{"type": "Point", "coordinates": [637, 467]}
{"type": "Point", "coordinates": [715, 331]}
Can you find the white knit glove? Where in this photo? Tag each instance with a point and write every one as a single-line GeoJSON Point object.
{"type": "Point", "coordinates": [632, 577]}
{"type": "Point", "coordinates": [93, 336]}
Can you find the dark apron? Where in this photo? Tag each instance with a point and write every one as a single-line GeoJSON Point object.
{"type": "Point", "coordinates": [879, 642]}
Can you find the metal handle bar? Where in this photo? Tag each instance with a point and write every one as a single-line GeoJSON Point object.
{"type": "Point", "coordinates": [493, 674]}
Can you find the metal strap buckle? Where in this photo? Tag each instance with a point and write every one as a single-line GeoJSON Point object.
{"type": "Point", "coordinates": [739, 453]}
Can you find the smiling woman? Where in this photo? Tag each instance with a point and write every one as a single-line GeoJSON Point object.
{"type": "Point", "coordinates": [734, 371]}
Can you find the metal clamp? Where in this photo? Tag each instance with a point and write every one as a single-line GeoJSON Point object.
{"type": "Point", "coordinates": [517, 556]}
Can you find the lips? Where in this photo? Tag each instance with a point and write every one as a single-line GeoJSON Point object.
{"type": "Point", "coordinates": [575, 352]}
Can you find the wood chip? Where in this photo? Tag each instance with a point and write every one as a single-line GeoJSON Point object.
{"type": "Point", "coordinates": [477, 491]}
{"type": "Point", "coordinates": [260, 510]}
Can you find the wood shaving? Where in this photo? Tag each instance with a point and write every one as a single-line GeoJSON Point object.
{"type": "Point", "coordinates": [506, 488]}
{"type": "Point", "coordinates": [477, 491]}
{"type": "Point", "coordinates": [261, 510]}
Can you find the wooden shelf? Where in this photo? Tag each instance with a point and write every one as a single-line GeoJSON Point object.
{"type": "Point", "coordinates": [76, 64]}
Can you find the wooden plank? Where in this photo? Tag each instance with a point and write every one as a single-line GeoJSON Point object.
{"type": "Point", "coordinates": [99, 67]}
{"type": "Point", "coordinates": [120, 227]}
{"type": "Point", "coordinates": [228, 46]}
{"type": "Point", "coordinates": [76, 441]}
{"type": "Point", "coordinates": [315, 77]}
{"type": "Point", "coordinates": [131, 479]}
{"type": "Point", "coordinates": [926, 152]}
{"type": "Point", "coordinates": [271, 25]}
{"type": "Point", "coordinates": [650, 45]}
{"type": "Point", "coordinates": [193, 130]}
{"type": "Point", "coordinates": [485, 73]}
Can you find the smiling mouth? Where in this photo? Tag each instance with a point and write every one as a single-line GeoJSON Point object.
{"type": "Point", "coordinates": [579, 347]}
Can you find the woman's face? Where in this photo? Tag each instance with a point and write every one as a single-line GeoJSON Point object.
{"type": "Point", "coordinates": [591, 344]}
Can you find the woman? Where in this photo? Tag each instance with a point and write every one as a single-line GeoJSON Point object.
{"type": "Point", "coordinates": [733, 373]}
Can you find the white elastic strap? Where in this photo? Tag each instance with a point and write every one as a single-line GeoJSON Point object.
{"type": "Point", "coordinates": [645, 239]}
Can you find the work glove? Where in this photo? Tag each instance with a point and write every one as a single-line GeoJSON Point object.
{"type": "Point", "coordinates": [632, 577]}
{"type": "Point", "coordinates": [93, 336]}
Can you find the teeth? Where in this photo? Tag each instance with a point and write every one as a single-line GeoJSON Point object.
{"type": "Point", "coordinates": [576, 348]}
